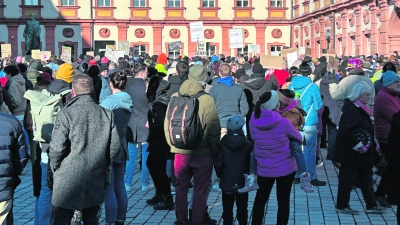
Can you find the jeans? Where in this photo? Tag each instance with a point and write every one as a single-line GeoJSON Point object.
{"type": "Point", "coordinates": [157, 168]}
{"type": "Point", "coordinates": [283, 188]}
{"type": "Point", "coordinates": [28, 146]}
{"type": "Point", "coordinates": [228, 200]}
{"type": "Point", "coordinates": [186, 167]}
{"type": "Point", "coordinates": [62, 216]}
{"type": "Point", "coordinates": [168, 168]}
{"type": "Point", "coordinates": [309, 133]}
{"type": "Point", "coordinates": [133, 148]}
{"type": "Point", "coordinates": [346, 179]}
{"type": "Point", "coordinates": [295, 148]}
{"type": "Point", "coordinates": [44, 201]}
{"type": "Point", "coordinates": [116, 199]}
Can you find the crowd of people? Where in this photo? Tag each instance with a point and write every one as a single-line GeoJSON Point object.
{"type": "Point", "coordinates": [82, 124]}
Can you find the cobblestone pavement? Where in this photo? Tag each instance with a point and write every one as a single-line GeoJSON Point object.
{"type": "Point", "coordinates": [315, 208]}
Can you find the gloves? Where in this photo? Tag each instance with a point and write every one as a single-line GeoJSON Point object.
{"type": "Point", "coordinates": [332, 78]}
{"type": "Point", "coordinates": [363, 149]}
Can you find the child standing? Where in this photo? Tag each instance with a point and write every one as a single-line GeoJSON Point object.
{"type": "Point", "coordinates": [230, 165]}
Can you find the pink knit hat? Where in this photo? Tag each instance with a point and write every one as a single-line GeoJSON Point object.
{"type": "Point", "coordinates": [18, 59]}
{"type": "Point", "coordinates": [104, 60]}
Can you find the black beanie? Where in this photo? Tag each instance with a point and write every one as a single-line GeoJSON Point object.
{"type": "Point", "coordinates": [22, 67]}
{"type": "Point", "coordinates": [239, 73]}
{"type": "Point", "coordinates": [305, 69]}
{"type": "Point", "coordinates": [322, 59]}
{"type": "Point", "coordinates": [258, 68]}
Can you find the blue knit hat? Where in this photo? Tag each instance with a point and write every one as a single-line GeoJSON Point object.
{"type": "Point", "coordinates": [235, 122]}
{"type": "Point", "coordinates": [389, 77]}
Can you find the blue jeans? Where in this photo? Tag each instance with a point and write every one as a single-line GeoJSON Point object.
{"type": "Point", "coordinates": [297, 152]}
{"type": "Point", "coordinates": [309, 133]}
{"type": "Point", "coordinates": [28, 146]}
{"type": "Point", "coordinates": [43, 206]}
{"type": "Point", "coordinates": [133, 148]}
{"type": "Point", "coordinates": [116, 199]}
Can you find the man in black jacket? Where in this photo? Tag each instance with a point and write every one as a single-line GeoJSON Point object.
{"type": "Point", "coordinates": [321, 69]}
{"type": "Point", "coordinates": [176, 80]}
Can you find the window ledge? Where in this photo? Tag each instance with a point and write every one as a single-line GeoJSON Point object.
{"type": "Point", "coordinates": [175, 8]}
{"type": "Point", "coordinates": [142, 8]}
{"type": "Point", "coordinates": [210, 8]}
{"type": "Point", "coordinates": [30, 6]}
{"type": "Point", "coordinates": [244, 8]}
{"type": "Point", "coordinates": [104, 7]}
{"type": "Point", "coordinates": [68, 7]}
{"type": "Point", "coordinates": [277, 8]}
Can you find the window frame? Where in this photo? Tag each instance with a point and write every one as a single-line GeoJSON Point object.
{"type": "Point", "coordinates": [208, 1]}
{"type": "Point", "coordinates": [24, 3]}
{"type": "Point", "coordinates": [140, 50]}
{"type": "Point", "coordinates": [275, 46]}
{"type": "Point", "coordinates": [111, 3]}
{"type": "Point", "coordinates": [180, 3]}
{"type": "Point", "coordinates": [248, 3]}
{"type": "Point", "coordinates": [243, 51]}
{"type": "Point", "coordinates": [146, 4]}
{"type": "Point", "coordinates": [175, 51]}
{"type": "Point", "coordinates": [211, 53]}
{"type": "Point", "coordinates": [276, 1]}
{"type": "Point", "coordinates": [61, 3]}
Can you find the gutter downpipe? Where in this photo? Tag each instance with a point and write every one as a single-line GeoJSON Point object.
{"type": "Point", "coordinates": [92, 27]}
{"type": "Point", "coordinates": [291, 27]}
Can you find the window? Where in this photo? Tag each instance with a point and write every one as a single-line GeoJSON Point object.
{"type": "Point", "coordinates": [174, 54]}
{"type": "Point", "coordinates": [208, 3]}
{"type": "Point", "coordinates": [174, 3]}
{"type": "Point", "coordinates": [276, 3]}
{"type": "Point", "coordinates": [211, 50]}
{"type": "Point", "coordinates": [242, 3]}
{"type": "Point", "coordinates": [244, 51]}
{"type": "Point", "coordinates": [68, 3]}
{"type": "Point", "coordinates": [103, 3]}
{"type": "Point", "coordinates": [139, 50]}
{"type": "Point", "coordinates": [31, 2]}
{"type": "Point", "coordinates": [276, 50]}
{"type": "Point", "coordinates": [139, 3]}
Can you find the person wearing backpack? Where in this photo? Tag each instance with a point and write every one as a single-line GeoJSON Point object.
{"type": "Point", "coordinates": [320, 69]}
{"type": "Point", "coordinates": [202, 142]}
{"type": "Point", "coordinates": [309, 96]}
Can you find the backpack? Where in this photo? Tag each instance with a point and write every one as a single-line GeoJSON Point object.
{"type": "Point", "coordinates": [299, 106]}
{"type": "Point", "coordinates": [44, 109]}
{"type": "Point", "coordinates": [185, 128]}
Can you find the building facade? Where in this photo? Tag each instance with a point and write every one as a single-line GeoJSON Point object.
{"type": "Point", "coordinates": [149, 25]}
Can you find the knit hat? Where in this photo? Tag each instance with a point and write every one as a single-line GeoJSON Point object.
{"type": "Point", "coordinates": [239, 73]}
{"type": "Point", "coordinates": [272, 101]}
{"type": "Point", "coordinates": [322, 59]}
{"type": "Point", "coordinates": [18, 59]}
{"type": "Point", "coordinates": [65, 72]}
{"type": "Point", "coordinates": [46, 76]}
{"type": "Point", "coordinates": [235, 122]}
{"type": "Point", "coordinates": [305, 69]}
{"type": "Point", "coordinates": [198, 73]}
{"type": "Point", "coordinates": [104, 60]}
{"type": "Point", "coordinates": [162, 59]}
{"type": "Point", "coordinates": [389, 77]}
{"type": "Point", "coordinates": [197, 59]}
{"type": "Point", "coordinates": [92, 62]}
{"type": "Point", "coordinates": [247, 66]}
{"type": "Point", "coordinates": [35, 65]}
{"type": "Point", "coordinates": [366, 65]}
{"type": "Point", "coordinates": [286, 96]}
{"type": "Point", "coordinates": [103, 68]}
{"type": "Point", "coordinates": [258, 68]}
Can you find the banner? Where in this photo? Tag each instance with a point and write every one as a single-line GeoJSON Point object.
{"type": "Point", "coordinates": [201, 48]}
{"type": "Point", "coordinates": [45, 55]}
{"type": "Point", "coordinates": [196, 31]}
{"type": "Point", "coordinates": [236, 38]}
{"type": "Point", "coordinates": [284, 52]}
{"type": "Point", "coordinates": [175, 46]}
{"type": "Point", "coordinates": [254, 48]}
{"type": "Point", "coordinates": [35, 53]}
{"type": "Point", "coordinates": [5, 50]}
{"type": "Point", "coordinates": [66, 54]}
{"type": "Point", "coordinates": [110, 54]}
{"type": "Point", "coordinates": [124, 46]}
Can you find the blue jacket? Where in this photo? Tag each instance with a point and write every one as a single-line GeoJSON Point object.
{"type": "Point", "coordinates": [311, 97]}
{"type": "Point", "coordinates": [105, 89]}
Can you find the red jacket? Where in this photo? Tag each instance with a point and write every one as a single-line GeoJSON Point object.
{"type": "Point", "coordinates": [281, 76]}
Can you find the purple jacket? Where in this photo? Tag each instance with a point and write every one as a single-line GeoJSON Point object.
{"type": "Point", "coordinates": [386, 104]}
{"type": "Point", "coordinates": [271, 134]}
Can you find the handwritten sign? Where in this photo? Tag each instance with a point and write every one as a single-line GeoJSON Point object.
{"type": "Point", "coordinates": [271, 62]}
{"type": "Point", "coordinates": [35, 53]}
{"type": "Point", "coordinates": [5, 50]}
{"type": "Point", "coordinates": [66, 54]}
{"type": "Point", "coordinates": [236, 38]}
{"type": "Point", "coordinates": [112, 47]}
{"type": "Point", "coordinates": [304, 51]}
{"type": "Point", "coordinates": [254, 48]}
{"type": "Point", "coordinates": [201, 48]}
{"type": "Point", "coordinates": [124, 46]}
{"type": "Point", "coordinates": [45, 55]}
{"type": "Point", "coordinates": [196, 31]}
{"type": "Point", "coordinates": [174, 46]}
{"type": "Point", "coordinates": [111, 55]}
{"type": "Point", "coordinates": [291, 58]}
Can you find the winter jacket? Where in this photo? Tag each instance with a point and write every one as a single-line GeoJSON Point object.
{"type": "Point", "coordinates": [121, 105]}
{"type": "Point", "coordinates": [256, 86]}
{"type": "Point", "coordinates": [28, 83]}
{"type": "Point", "coordinates": [335, 107]}
{"type": "Point", "coordinates": [281, 76]}
{"type": "Point", "coordinates": [230, 100]}
{"type": "Point", "coordinates": [377, 76]}
{"type": "Point", "coordinates": [13, 155]}
{"type": "Point", "coordinates": [354, 123]}
{"type": "Point", "coordinates": [271, 134]}
{"type": "Point", "coordinates": [208, 114]}
{"type": "Point", "coordinates": [386, 105]}
{"type": "Point", "coordinates": [311, 97]}
{"type": "Point", "coordinates": [105, 88]}
{"type": "Point", "coordinates": [17, 90]}
{"type": "Point", "coordinates": [85, 143]}
{"type": "Point", "coordinates": [378, 86]}
{"type": "Point", "coordinates": [233, 161]}
{"type": "Point", "coordinates": [320, 71]}
{"type": "Point", "coordinates": [293, 115]}
{"type": "Point", "coordinates": [97, 85]}
{"type": "Point", "coordinates": [176, 82]}
{"type": "Point", "coordinates": [343, 89]}
{"type": "Point", "coordinates": [393, 151]}
{"type": "Point", "coordinates": [138, 132]}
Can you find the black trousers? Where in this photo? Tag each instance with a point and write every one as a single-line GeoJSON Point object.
{"type": "Point", "coordinates": [386, 186]}
{"type": "Point", "coordinates": [346, 179]}
{"type": "Point", "coordinates": [325, 118]}
{"type": "Point", "coordinates": [157, 169]}
{"type": "Point", "coordinates": [283, 188]}
{"type": "Point", "coordinates": [62, 216]}
{"type": "Point", "coordinates": [228, 200]}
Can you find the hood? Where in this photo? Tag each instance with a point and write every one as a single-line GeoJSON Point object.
{"type": "Point", "coordinates": [324, 80]}
{"type": "Point", "coordinates": [299, 82]}
{"type": "Point", "coordinates": [268, 120]}
{"type": "Point", "coordinates": [18, 78]}
{"type": "Point", "coordinates": [323, 65]}
{"type": "Point", "coordinates": [233, 142]}
{"type": "Point", "coordinates": [213, 59]}
{"type": "Point", "coordinates": [255, 82]}
{"type": "Point", "coordinates": [58, 86]}
{"type": "Point", "coordinates": [190, 87]}
{"type": "Point", "coordinates": [121, 100]}
{"type": "Point", "coordinates": [177, 79]}
{"type": "Point", "coordinates": [347, 105]}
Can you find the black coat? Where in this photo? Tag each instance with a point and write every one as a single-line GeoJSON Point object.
{"type": "Point", "coordinates": [320, 71]}
{"type": "Point", "coordinates": [354, 124]}
{"type": "Point", "coordinates": [232, 161]}
{"type": "Point", "coordinates": [13, 155]}
{"type": "Point", "coordinates": [393, 150]}
{"type": "Point", "coordinates": [176, 82]}
{"type": "Point", "coordinates": [97, 88]}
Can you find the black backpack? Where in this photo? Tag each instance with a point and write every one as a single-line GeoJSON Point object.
{"type": "Point", "coordinates": [185, 128]}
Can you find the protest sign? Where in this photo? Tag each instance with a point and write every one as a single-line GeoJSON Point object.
{"type": "Point", "coordinates": [304, 51]}
{"type": "Point", "coordinates": [254, 48]}
{"type": "Point", "coordinates": [284, 52]}
{"type": "Point", "coordinates": [236, 38]}
{"type": "Point", "coordinates": [66, 54]}
{"type": "Point", "coordinates": [291, 58]}
{"type": "Point", "coordinates": [275, 53]}
{"type": "Point", "coordinates": [91, 53]}
{"type": "Point", "coordinates": [196, 31]}
{"type": "Point", "coordinates": [271, 62]}
{"type": "Point", "coordinates": [112, 47]}
{"type": "Point", "coordinates": [35, 53]}
{"type": "Point", "coordinates": [5, 50]}
{"type": "Point", "coordinates": [124, 46]}
{"type": "Point", "coordinates": [119, 54]}
{"type": "Point", "coordinates": [110, 54]}
{"type": "Point", "coordinates": [45, 55]}
{"type": "Point", "coordinates": [174, 46]}
{"type": "Point", "coordinates": [201, 48]}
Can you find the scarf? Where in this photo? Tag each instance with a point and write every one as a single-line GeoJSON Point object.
{"type": "Point", "coordinates": [365, 108]}
{"type": "Point", "coordinates": [226, 80]}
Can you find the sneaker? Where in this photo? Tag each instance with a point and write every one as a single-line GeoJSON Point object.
{"type": "Point", "coordinates": [148, 187]}
{"type": "Point", "coordinates": [250, 185]}
{"type": "Point", "coordinates": [375, 210]}
{"type": "Point", "coordinates": [296, 181]}
{"type": "Point", "coordinates": [317, 183]}
{"type": "Point", "coordinates": [348, 210]}
{"type": "Point", "coordinates": [305, 183]}
{"type": "Point", "coordinates": [128, 187]}
{"type": "Point", "coordinates": [382, 201]}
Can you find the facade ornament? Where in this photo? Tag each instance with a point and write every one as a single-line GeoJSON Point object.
{"type": "Point", "coordinates": [352, 19]}
{"type": "Point", "coordinates": [306, 31]}
{"type": "Point", "coordinates": [68, 32]}
{"type": "Point", "coordinates": [366, 16]}
{"type": "Point", "coordinates": [296, 32]}
{"type": "Point", "coordinates": [104, 32]}
{"type": "Point", "coordinates": [209, 34]}
{"type": "Point", "coordinates": [140, 33]}
{"type": "Point", "coordinates": [246, 33]}
{"type": "Point", "coordinates": [175, 33]}
{"type": "Point", "coordinates": [316, 27]}
{"type": "Point", "coordinates": [276, 33]}
{"type": "Point", "coordinates": [338, 24]}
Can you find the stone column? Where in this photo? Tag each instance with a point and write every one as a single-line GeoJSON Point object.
{"type": "Point", "coordinates": [260, 37]}
{"type": "Point", "coordinates": [86, 35]}
{"type": "Point", "coordinates": [50, 37]}
{"type": "Point", "coordinates": [157, 39]}
{"type": "Point", "coordinates": [313, 43]}
{"type": "Point", "coordinates": [345, 35]}
{"type": "Point", "coordinates": [192, 46]}
{"type": "Point", "coordinates": [358, 38]}
{"type": "Point", "coordinates": [122, 32]}
{"type": "Point", "coordinates": [384, 18]}
{"type": "Point", "coordinates": [374, 29]}
{"type": "Point", "coordinates": [301, 31]}
{"type": "Point", "coordinates": [225, 39]}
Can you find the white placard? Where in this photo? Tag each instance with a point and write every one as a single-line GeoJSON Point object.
{"type": "Point", "coordinates": [66, 54]}
{"type": "Point", "coordinates": [120, 54]}
{"type": "Point", "coordinates": [236, 39]}
{"type": "Point", "coordinates": [291, 58]}
{"type": "Point", "coordinates": [254, 48]}
{"type": "Point", "coordinates": [111, 55]}
{"type": "Point", "coordinates": [196, 31]}
{"type": "Point", "coordinates": [302, 50]}
{"type": "Point", "coordinates": [275, 53]}
{"type": "Point", "coordinates": [201, 48]}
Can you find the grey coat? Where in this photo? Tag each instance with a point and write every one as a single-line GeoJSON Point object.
{"type": "Point", "coordinates": [84, 144]}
